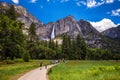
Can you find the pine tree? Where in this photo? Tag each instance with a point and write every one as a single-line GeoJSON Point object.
{"type": "Point", "coordinates": [11, 13]}
{"type": "Point", "coordinates": [81, 47]}
{"type": "Point", "coordinates": [66, 46]}
{"type": "Point", "coordinates": [32, 33]}
{"type": "Point", "coordinates": [73, 49]}
{"type": "Point", "coordinates": [52, 44]}
{"type": "Point", "coordinates": [11, 36]}
{"type": "Point", "coordinates": [57, 49]}
{"type": "Point", "coordinates": [26, 57]}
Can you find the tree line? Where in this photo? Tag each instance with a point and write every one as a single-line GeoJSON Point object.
{"type": "Point", "coordinates": [15, 44]}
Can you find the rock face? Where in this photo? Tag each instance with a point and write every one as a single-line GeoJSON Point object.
{"type": "Point", "coordinates": [112, 32]}
{"type": "Point", "coordinates": [67, 26]}
{"type": "Point", "coordinates": [90, 34]}
{"type": "Point", "coordinates": [71, 27]}
{"type": "Point", "coordinates": [24, 16]}
{"type": "Point", "coordinates": [45, 31]}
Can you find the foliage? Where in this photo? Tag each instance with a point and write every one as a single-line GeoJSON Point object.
{"type": "Point", "coordinates": [98, 54]}
{"type": "Point", "coordinates": [26, 56]}
{"type": "Point", "coordinates": [11, 37]}
{"type": "Point", "coordinates": [74, 49]}
{"type": "Point", "coordinates": [81, 47]}
{"type": "Point", "coordinates": [18, 68]}
{"type": "Point", "coordinates": [32, 33]}
{"type": "Point", "coordinates": [66, 45]}
{"type": "Point", "coordinates": [86, 70]}
{"type": "Point", "coordinates": [11, 13]}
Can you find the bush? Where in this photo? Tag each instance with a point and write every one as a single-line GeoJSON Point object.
{"type": "Point", "coordinates": [26, 57]}
{"type": "Point", "coordinates": [49, 71]}
{"type": "Point", "coordinates": [8, 62]}
{"type": "Point", "coordinates": [18, 60]}
{"type": "Point", "coordinates": [117, 68]}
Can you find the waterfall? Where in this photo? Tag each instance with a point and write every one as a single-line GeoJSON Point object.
{"type": "Point", "coordinates": [53, 32]}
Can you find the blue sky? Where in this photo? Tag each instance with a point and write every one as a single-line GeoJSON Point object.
{"type": "Point", "coordinates": [95, 11]}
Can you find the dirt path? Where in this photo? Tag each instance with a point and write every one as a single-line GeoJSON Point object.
{"type": "Point", "coordinates": [36, 74]}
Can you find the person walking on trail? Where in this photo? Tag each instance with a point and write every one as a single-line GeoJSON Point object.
{"type": "Point", "coordinates": [45, 66]}
{"type": "Point", "coordinates": [41, 65]}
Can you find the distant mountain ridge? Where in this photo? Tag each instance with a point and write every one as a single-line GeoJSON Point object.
{"type": "Point", "coordinates": [71, 27]}
{"type": "Point", "coordinates": [65, 26]}
{"type": "Point", "coordinates": [112, 32]}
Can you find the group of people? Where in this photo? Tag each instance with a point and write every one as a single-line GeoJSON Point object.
{"type": "Point", "coordinates": [41, 64]}
{"type": "Point", "coordinates": [51, 62]}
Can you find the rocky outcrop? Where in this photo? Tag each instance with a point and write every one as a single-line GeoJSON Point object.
{"type": "Point", "coordinates": [90, 34]}
{"type": "Point", "coordinates": [112, 32]}
{"type": "Point", "coordinates": [71, 27]}
{"type": "Point", "coordinates": [44, 32]}
{"type": "Point", "coordinates": [67, 25]}
{"type": "Point", "coordinates": [24, 15]}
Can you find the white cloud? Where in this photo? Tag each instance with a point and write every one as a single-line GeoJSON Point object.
{"type": "Point", "coordinates": [93, 3]}
{"type": "Point", "coordinates": [109, 1]}
{"type": "Point", "coordinates": [115, 12]}
{"type": "Point", "coordinates": [79, 3]}
{"type": "Point", "coordinates": [100, 3]}
{"type": "Point", "coordinates": [16, 1]}
{"type": "Point", "coordinates": [33, 1]}
{"type": "Point", "coordinates": [103, 24]}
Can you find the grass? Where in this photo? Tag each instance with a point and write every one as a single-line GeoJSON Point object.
{"type": "Point", "coordinates": [17, 68]}
{"type": "Point", "coordinates": [86, 70]}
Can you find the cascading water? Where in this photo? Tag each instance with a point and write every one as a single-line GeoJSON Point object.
{"type": "Point", "coordinates": [53, 32]}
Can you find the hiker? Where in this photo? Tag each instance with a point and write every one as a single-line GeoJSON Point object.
{"type": "Point", "coordinates": [41, 65]}
{"type": "Point", "coordinates": [51, 62]}
{"type": "Point", "coordinates": [45, 66]}
{"type": "Point", "coordinates": [63, 60]}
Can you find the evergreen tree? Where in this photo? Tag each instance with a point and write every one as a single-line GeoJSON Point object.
{"type": "Point", "coordinates": [52, 44]}
{"type": "Point", "coordinates": [73, 50]}
{"type": "Point", "coordinates": [81, 47]}
{"type": "Point", "coordinates": [33, 42]}
{"type": "Point", "coordinates": [32, 33]}
{"type": "Point", "coordinates": [11, 36]}
{"type": "Point", "coordinates": [66, 46]}
{"type": "Point", "coordinates": [78, 47]}
{"type": "Point", "coordinates": [11, 13]}
{"type": "Point", "coordinates": [57, 49]}
{"type": "Point", "coordinates": [26, 57]}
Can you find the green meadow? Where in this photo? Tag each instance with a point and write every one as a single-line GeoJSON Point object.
{"type": "Point", "coordinates": [86, 70]}
{"type": "Point", "coordinates": [11, 70]}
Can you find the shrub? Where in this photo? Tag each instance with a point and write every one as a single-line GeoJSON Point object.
{"type": "Point", "coordinates": [9, 62]}
{"type": "Point", "coordinates": [26, 57]}
{"type": "Point", "coordinates": [49, 71]}
{"type": "Point", "coordinates": [117, 68]}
